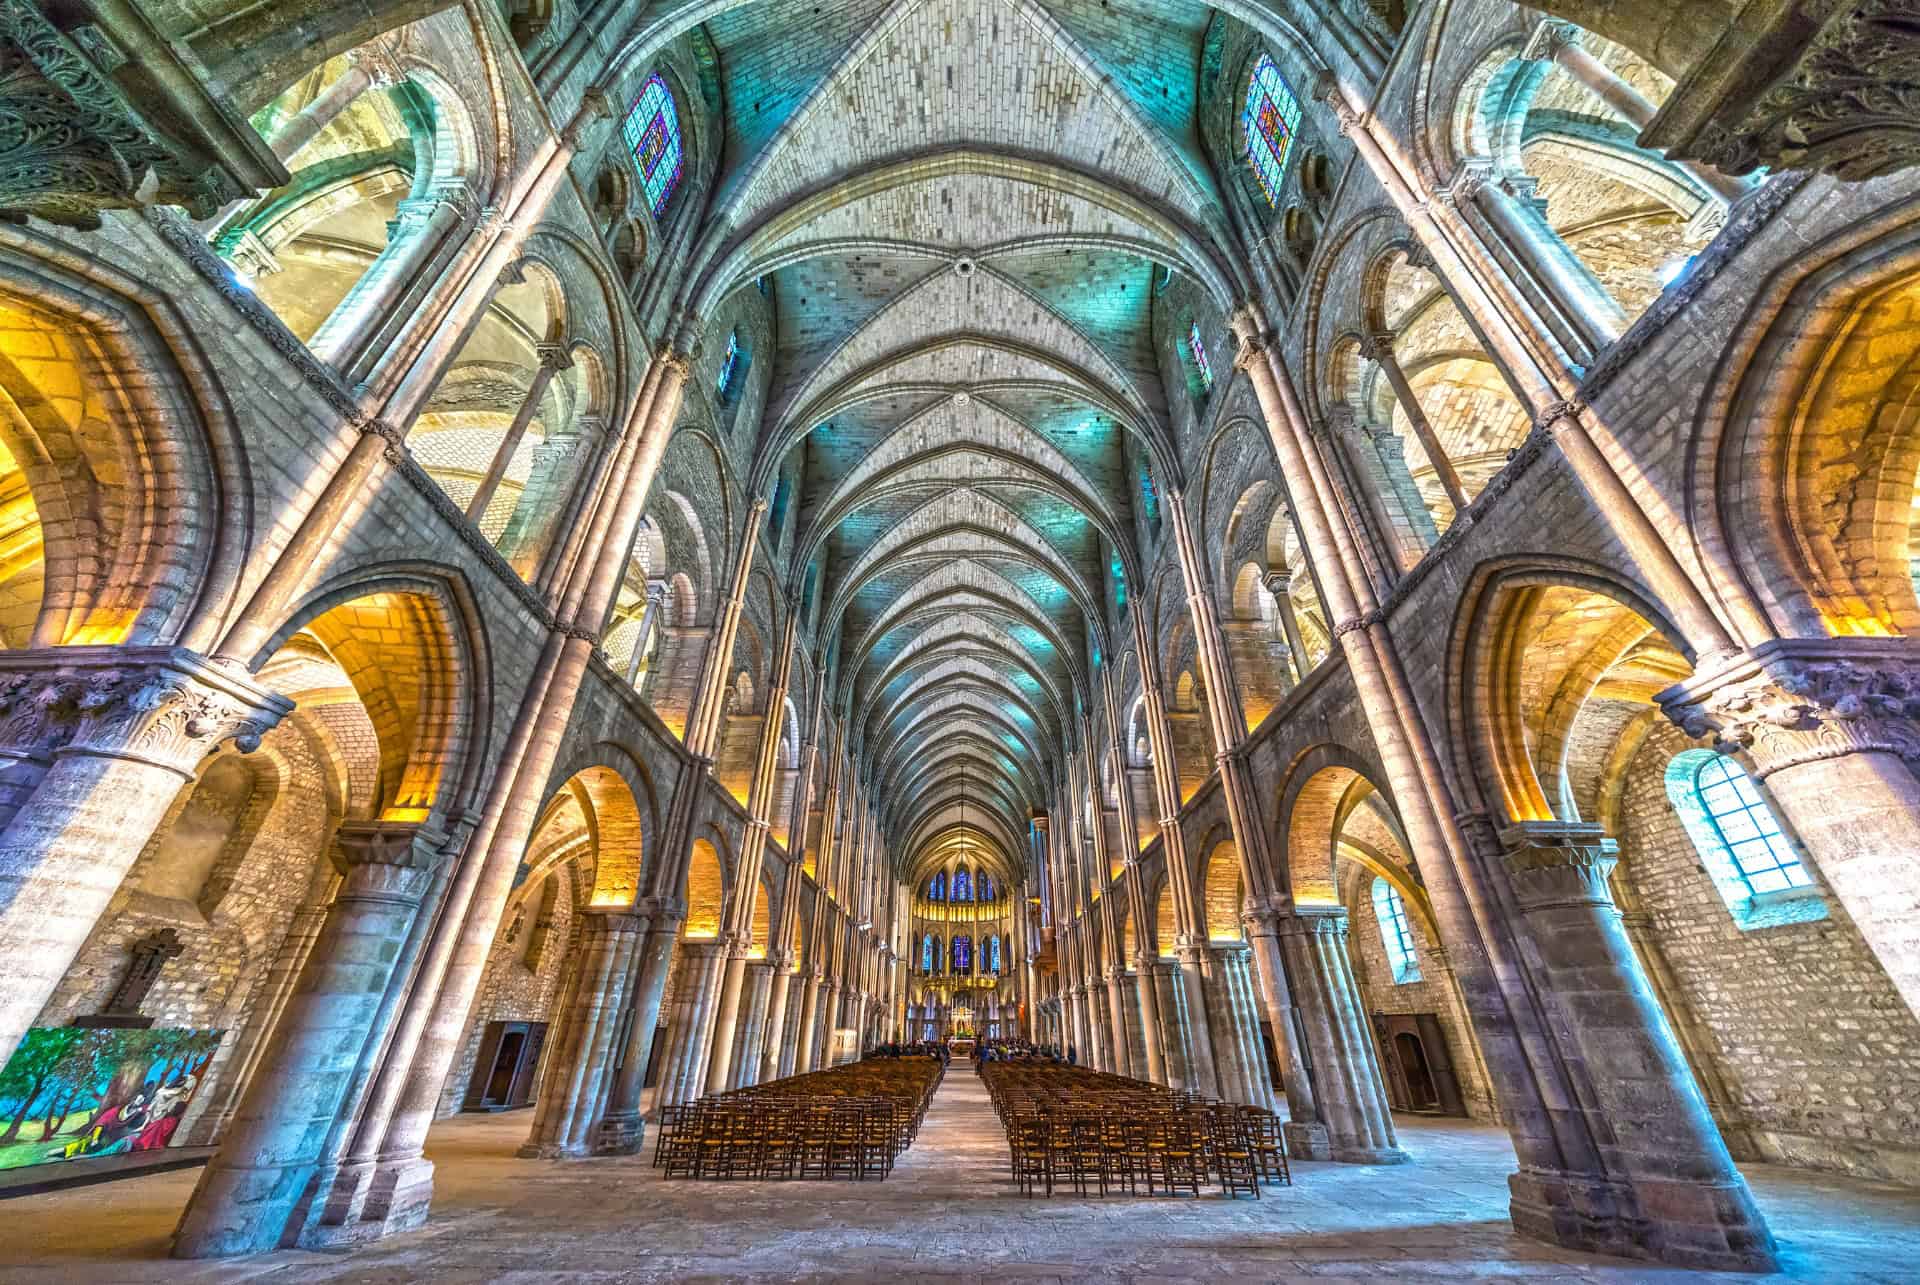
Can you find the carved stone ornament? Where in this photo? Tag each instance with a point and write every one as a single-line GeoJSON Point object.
{"type": "Point", "coordinates": [1827, 85]}
{"type": "Point", "coordinates": [1559, 863]}
{"type": "Point", "coordinates": [165, 705]}
{"type": "Point", "coordinates": [1793, 702]}
{"type": "Point", "coordinates": [79, 135]}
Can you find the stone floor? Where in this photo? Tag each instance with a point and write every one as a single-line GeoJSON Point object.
{"type": "Point", "coordinates": [948, 1211]}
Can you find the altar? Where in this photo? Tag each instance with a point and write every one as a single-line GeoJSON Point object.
{"type": "Point", "coordinates": [961, 1045]}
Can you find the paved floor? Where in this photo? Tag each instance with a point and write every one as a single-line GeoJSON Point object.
{"type": "Point", "coordinates": [948, 1211]}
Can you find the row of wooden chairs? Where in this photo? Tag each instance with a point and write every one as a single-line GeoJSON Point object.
{"type": "Point", "coordinates": [845, 1123]}
{"type": "Point", "coordinates": [1105, 1134]}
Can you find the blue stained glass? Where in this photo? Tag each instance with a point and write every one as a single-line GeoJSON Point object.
{"type": "Point", "coordinates": [937, 889]}
{"type": "Point", "coordinates": [733, 360]}
{"type": "Point", "coordinates": [993, 953]}
{"type": "Point", "coordinates": [962, 886]}
{"type": "Point", "coordinates": [962, 953]}
{"type": "Point", "coordinates": [1198, 348]}
{"type": "Point", "coordinates": [986, 887]}
{"type": "Point", "coordinates": [926, 953]}
{"type": "Point", "coordinates": [652, 133]}
{"type": "Point", "coordinates": [1271, 120]}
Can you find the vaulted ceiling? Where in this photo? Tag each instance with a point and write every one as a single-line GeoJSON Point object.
{"type": "Point", "coordinates": [966, 207]}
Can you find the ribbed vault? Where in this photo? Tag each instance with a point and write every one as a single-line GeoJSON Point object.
{"type": "Point", "coordinates": [962, 210]}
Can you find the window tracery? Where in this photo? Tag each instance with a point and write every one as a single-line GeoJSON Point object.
{"type": "Point", "coordinates": [1270, 121]}
{"type": "Point", "coordinates": [652, 134]}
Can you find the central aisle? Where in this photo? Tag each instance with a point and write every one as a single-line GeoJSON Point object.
{"type": "Point", "coordinates": [949, 1210]}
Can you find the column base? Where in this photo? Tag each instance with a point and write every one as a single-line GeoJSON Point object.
{"type": "Point", "coordinates": [382, 1200]}
{"type": "Point", "coordinates": [619, 1135]}
{"type": "Point", "coordinates": [1307, 1140]}
{"type": "Point", "coordinates": [1710, 1227]}
{"type": "Point", "coordinates": [237, 1210]}
{"type": "Point", "coordinates": [1371, 1156]}
{"type": "Point", "coordinates": [550, 1151]}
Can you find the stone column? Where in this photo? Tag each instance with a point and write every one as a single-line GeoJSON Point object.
{"type": "Point", "coordinates": [414, 235]}
{"type": "Point", "coordinates": [1123, 1063]}
{"type": "Point", "coordinates": [1169, 997]}
{"type": "Point", "coordinates": [621, 1131]}
{"type": "Point", "coordinates": [1830, 729]}
{"type": "Point", "coordinates": [1152, 1045]}
{"type": "Point", "coordinates": [250, 1189]}
{"type": "Point", "coordinates": [1559, 43]}
{"type": "Point", "coordinates": [811, 983]}
{"type": "Point", "coordinates": [1351, 1097]}
{"type": "Point", "coordinates": [1202, 1058]}
{"type": "Point", "coordinates": [1378, 348]}
{"type": "Point", "coordinates": [649, 616]}
{"type": "Point", "coordinates": [773, 1041]}
{"type": "Point", "coordinates": [370, 66]}
{"type": "Point", "coordinates": [1517, 214]}
{"type": "Point", "coordinates": [553, 358]}
{"type": "Point", "coordinates": [1664, 1161]}
{"type": "Point", "coordinates": [684, 1078]}
{"type": "Point", "coordinates": [99, 742]}
{"type": "Point", "coordinates": [579, 1052]}
{"type": "Point", "coordinates": [1306, 1135]}
{"type": "Point", "coordinates": [747, 1055]}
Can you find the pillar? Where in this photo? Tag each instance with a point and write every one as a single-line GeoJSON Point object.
{"type": "Point", "coordinates": [1280, 585]}
{"type": "Point", "coordinates": [621, 1131]}
{"type": "Point", "coordinates": [1153, 1047]}
{"type": "Point", "coordinates": [1378, 348]}
{"type": "Point", "coordinates": [1351, 1097]}
{"type": "Point", "coordinates": [1559, 43]}
{"type": "Point", "coordinates": [1306, 1135]}
{"type": "Point", "coordinates": [249, 1190]}
{"type": "Point", "coordinates": [553, 358]}
{"type": "Point", "coordinates": [1669, 1188]}
{"type": "Point", "coordinates": [683, 1079]}
{"type": "Point", "coordinates": [99, 742]}
{"type": "Point", "coordinates": [579, 1051]}
{"type": "Point", "coordinates": [1828, 728]}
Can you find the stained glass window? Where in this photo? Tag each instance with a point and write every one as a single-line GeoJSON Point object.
{"type": "Point", "coordinates": [1271, 119]}
{"type": "Point", "coordinates": [993, 952]}
{"type": "Point", "coordinates": [727, 367]}
{"type": "Point", "coordinates": [1198, 348]}
{"type": "Point", "coordinates": [652, 132]}
{"type": "Point", "coordinates": [962, 953]}
{"type": "Point", "coordinates": [1395, 932]}
{"type": "Point", "coordinates": [986, 887]}
{"type": "Point", "coordinates": [926, 953]}
{"type": "Point", "coordinates": [962, 885]}
{"type": "Point", "coordinates": [937, 888]}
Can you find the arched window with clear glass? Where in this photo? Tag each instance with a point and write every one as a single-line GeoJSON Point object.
{"type": "Point", "coordinates": [1396, 934]}
{"type": "Point", "coordinates": [1752, 863]}
{"type": "Point", "coordinates": [1270, 121]}
{"type": "Point", "coordinates": [652, 134]}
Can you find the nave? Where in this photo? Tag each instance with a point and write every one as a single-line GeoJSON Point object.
{"type": "Point", "coordinates": [949, 1211]}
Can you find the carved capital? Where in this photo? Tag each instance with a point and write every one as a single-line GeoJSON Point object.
{"type": "Point", "coordinates": [162, 705]}
{"type": "Point", "coordinates": [106, 115]}
{"type": "Point", "coordinates": [387, 860]}
{"type": "Point", "coordinates": [1548, 39]}
{"type": "Point", "coordinates": [554, 357]}
{"type": "Point", "coordinates": [380, 60]}
{"type": "Point", "coordinates": [1378, 347]}
{"type": "Point", "coordinates": [1314, 921]}
{"type": "Point", "coordinates": [1468, 182]}
{"type": "Point", "coordinates": [1559, 417]}
{"type": "Point", "coordinates": [1252, 350]}
{"type": "Point", "coordinates": [1827, 85]}
{"type": "Point", "coordinates": [1801, 701]}
{"type": "Point", "coordinates": [1559, 863]}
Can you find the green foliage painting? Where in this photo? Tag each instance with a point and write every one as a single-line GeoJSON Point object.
{"type": "Point", "coordinates": [69, 1092]}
